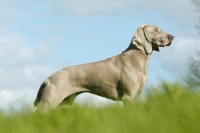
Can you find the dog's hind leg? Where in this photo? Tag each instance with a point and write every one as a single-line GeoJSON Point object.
{"type": "Point", "coordinates": [51, 97]}
{"type": "Point", "coordinates": [68, 101]}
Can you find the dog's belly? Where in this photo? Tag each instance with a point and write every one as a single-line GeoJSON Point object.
{"type": "Point", "coordinates": [106, 92]}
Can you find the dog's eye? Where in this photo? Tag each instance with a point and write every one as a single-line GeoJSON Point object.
{"type": "Point", "coordinates": [156, 30]}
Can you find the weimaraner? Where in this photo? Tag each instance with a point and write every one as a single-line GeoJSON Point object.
{"type": "Point", "coordinates": [119, 78]}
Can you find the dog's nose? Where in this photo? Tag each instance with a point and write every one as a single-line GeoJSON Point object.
{"type": "Point", "coordinates": [171, 37]}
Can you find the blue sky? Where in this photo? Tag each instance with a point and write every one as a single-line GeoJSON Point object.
{"type": "Point", "coordinates": [40, 37]}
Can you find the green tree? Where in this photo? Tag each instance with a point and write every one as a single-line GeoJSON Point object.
{"type": "Point", "coordinates": [192, 78]}
{"type": "Point", "coordinates": [196, 3]}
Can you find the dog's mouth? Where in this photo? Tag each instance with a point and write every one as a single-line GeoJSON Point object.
{"type": "Point", "coordinates": [170, 39]}
{"type": "Point", "coordinates": [156, 47]}
{"type": "Point", "coordinates": [168, 44]}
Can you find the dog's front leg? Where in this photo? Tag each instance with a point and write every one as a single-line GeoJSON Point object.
{"type": "Point", "coordinates": [130, 97]}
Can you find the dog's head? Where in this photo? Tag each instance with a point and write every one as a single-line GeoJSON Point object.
{"type": "Point", "coordinates": [150, 37]}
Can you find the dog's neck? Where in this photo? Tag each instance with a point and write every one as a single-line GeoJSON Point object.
{"type": "Point", "coordinates": [131, 47]}
{"type": "Point", "coordinates": [132, 51]}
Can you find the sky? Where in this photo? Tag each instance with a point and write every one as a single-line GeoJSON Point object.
{"type": "Point", "coordinates": [40, 37]}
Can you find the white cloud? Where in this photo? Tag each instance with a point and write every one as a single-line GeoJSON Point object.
{"type": "Point", "coordinates": [15, 99]}
{"type": "Point", "coordinates": [85, 8]}
{"type": "Point", "coordinates": [8, 11]}
{"type": "Point", "coordinates": [182, 19]}
{"type": "Point", "coordinates": [23, 66]}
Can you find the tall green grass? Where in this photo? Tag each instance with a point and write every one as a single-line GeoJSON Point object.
{"type": "Point", "coordinates": [169, 108]}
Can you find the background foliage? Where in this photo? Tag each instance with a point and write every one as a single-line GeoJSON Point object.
{"type": "Point", "coordinates": [170, 108]}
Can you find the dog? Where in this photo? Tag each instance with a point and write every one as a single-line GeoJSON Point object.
{"type": "Point", "coordinates": [119, 78]}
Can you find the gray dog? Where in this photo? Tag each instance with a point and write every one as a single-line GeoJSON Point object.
{"type": "Point", "coordinates": [119, 78]}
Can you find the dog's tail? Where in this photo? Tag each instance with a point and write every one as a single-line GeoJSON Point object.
{"type": "Point", "coordinates": [37, 100]}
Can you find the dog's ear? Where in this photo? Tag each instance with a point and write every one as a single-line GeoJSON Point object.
{"type": "Point", "coordinates": [147, 44]}
{"type": "Point", "coordinates": [155, 47]}
{"type": "Point", "coordinates": [141, 40]}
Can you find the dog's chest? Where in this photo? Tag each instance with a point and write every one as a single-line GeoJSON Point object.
{"type": "Point", "coordinates": [144, 75]}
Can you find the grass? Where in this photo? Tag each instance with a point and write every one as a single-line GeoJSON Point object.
{"type": "Point", "coordinates": [173, 109]}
